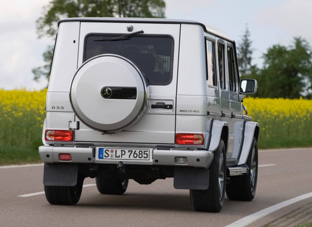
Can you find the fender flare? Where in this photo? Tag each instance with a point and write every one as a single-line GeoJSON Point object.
{"type": "Point", "coordinates": [216, 133]}
{"type": "Point", "coordinates": [251, 131]}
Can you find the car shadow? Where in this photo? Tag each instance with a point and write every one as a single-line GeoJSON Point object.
{"type": "Point", "coordinates": [138, 201]}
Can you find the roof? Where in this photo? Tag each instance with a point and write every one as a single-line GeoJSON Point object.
{"type": "Point", "coordinates": [146, 20]}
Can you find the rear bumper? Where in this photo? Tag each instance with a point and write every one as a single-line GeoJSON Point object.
{"type": "Point", "coordinates": [172, 157]}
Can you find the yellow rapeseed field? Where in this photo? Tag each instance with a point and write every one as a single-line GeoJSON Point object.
{"type": "Point", "coordinates": [283, 123]}
{"type": "Point", "coordinates": [21, 117]}
{"type": "Point", "coordinates": [15, 103]}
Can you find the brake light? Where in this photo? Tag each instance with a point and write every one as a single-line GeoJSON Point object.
{"type": "Point", "coordinates": [59, 135]}
{"type": "Point", "coordinates": [65, 157]}
{"type": "Point", "coordinates": [189, 139]}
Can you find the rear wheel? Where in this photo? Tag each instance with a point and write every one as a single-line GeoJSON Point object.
{"type": "Point", "coordinates": [243, 188]}
{"type": "Point", "coordinates": [64, 195]}
{"type": "Point", "coordinates": [114, 186]}
{"type": "Point", "coordinates": [211, 200]}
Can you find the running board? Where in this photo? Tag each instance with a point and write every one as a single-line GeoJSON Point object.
{"type": "Point", "coordinates": [238, 171]}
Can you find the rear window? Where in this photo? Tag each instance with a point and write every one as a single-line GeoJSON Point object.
{"type": "Point", "coordinates": [153, 55]}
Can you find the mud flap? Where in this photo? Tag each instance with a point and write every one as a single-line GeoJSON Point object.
{"type": "Point", "coordinates": [60, 174]}
{"type": "Point", "coordinates": [191, 178]}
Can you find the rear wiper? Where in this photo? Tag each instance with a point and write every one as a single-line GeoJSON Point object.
{"type": "Point", "coordinates": [123, 37]}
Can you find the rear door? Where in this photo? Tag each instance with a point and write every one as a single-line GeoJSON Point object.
{"type": "Point", "coordinates": [237, 122]}
{"type": "Point", "coordinates": [154, 50]}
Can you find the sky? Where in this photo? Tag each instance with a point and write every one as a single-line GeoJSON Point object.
{"type": "Point", "coordinates": [269, 22]}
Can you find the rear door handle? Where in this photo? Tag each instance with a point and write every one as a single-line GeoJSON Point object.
{"type": "Point", "coordinates": [162, 105]}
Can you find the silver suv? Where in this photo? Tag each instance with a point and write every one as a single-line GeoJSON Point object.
{"type": "Point", "coordinates": [147, 99]}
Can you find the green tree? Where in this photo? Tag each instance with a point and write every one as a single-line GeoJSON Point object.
{"type": "Point", "coordinates": [60, 9]}
{"type": "Point", "coordinates": [244, 54]}
{"type": "Point", "coordinates": [287, 71]}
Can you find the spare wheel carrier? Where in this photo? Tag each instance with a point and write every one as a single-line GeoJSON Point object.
{"type": "Point", "coordinates": [108, 93]}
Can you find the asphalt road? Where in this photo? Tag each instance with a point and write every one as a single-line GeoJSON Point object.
{"type": "Point", "coordinates": [283, 175]}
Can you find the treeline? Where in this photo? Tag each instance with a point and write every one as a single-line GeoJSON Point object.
{"type": "Point", "coordinates": [60, 9]}
{"type": "Point", "coordinates": [286, 70]}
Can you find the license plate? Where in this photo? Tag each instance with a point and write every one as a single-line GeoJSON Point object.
{"type": "Point", "coordinates": [123, 154]}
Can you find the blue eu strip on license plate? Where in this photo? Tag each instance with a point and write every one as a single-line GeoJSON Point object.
{"type": "Point", "coordinates": [101, 153]}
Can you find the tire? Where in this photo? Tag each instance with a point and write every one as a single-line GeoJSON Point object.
{"type": "Point", "coordinates": [211, 200]}
{"type": "Point", "coordinates": [63, 195]}
{"type": "Point", "coordinates": [243, 188]}
{"type": "Point", "coordinates": [111, 186]}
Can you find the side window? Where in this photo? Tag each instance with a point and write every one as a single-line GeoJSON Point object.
{"type": "Point", "coordinates": [221, 63]}
{"type": "Point", "coordinates": [210, 57]}
{"type": "Point", "coordinates": [232, 67]}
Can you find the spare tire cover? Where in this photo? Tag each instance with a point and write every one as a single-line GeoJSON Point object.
{"type": "Point", "coordinates": [108, 93]}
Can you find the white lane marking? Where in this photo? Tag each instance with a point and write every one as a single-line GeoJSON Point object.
{"type": "Point", "coordinates": [31, 194]}
{"type": "Point", "coordinates": [267, 165]}
{"type": "Point", "coordinates": [42, 193]}
{"type": "Point", "coordinates": [260, 214]}
{"type": "Point", "coordinates": [20, 166]}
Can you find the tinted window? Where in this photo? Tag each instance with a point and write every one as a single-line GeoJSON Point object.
{"type": "Point", "coordinates": [152, 54]}
{"type": "Point", "coordinates": [232, 71]}
{"type": "Point", "coordinates": [221, 65]}
{"type": "Point", "coordinates": [211, 56]}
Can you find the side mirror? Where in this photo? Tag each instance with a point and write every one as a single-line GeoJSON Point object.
{"type": "Point", "coordinates": [248, 86]}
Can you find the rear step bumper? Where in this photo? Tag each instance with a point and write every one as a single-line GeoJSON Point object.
{"type": "Point", "coordinates": [191, 158]}
{"type": "Point", "coordinates": [238, 171]}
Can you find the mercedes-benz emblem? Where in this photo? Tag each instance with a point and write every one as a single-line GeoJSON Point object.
{"type": "Point", "coordinates": [106, 92]}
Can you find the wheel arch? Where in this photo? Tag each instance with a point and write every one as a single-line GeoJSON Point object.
{"type": "Point", "coordinates": [219, 130]}
{"type": "Point", "coordinates": [252, 130]}
{"type": "Point", "coordinates": [257, 132]}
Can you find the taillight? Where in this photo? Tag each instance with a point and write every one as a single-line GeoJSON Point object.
{"type": "Point", "coordinates": [65, 157]}
{"type": "Point", "coordinates": [189, 139]}
{"type": "Point", "coordinates": [59, 135]}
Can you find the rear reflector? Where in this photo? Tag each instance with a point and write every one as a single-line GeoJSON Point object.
{"type": "Point", "coordinates": [189, 139]}
{"type": "Point", "coordinates": [65, 157]}
{"type": "Point", "coordinates": [59, 135]}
